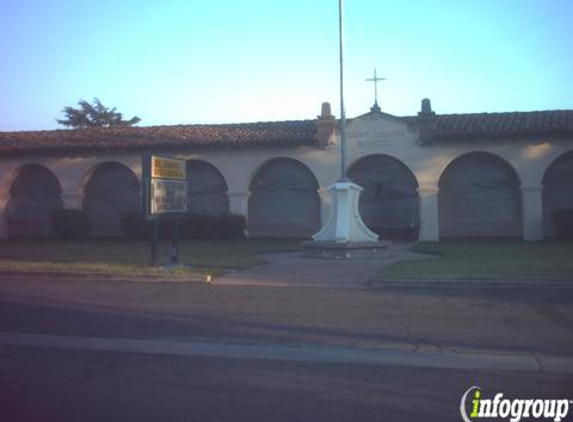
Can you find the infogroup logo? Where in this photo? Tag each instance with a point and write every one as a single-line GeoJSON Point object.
{"type": "Point", "coordinates": [512, 409]}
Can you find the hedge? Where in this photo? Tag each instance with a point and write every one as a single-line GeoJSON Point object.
{"type": "Point", "coordinates": [134, 226]}
{"type": "Point", "coordinates": [563, 223]}
{"type": "Point", "coordinates": [69, 224]}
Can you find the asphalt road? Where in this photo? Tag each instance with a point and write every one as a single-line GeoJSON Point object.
{"type": "Point", "coordinates": [540, 321]}
{"type": "Point", "coordinates": [59, 384]}
{"type": "Point", "coordinates": [63, 385]}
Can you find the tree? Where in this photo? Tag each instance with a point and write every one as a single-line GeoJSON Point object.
{"type": "Point", "coordinates": [96, 114]}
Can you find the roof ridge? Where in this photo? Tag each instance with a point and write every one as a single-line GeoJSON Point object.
{"type": "Point", "coordinates": [179, 125]}
{"type": "Point", "coordinates": [492, 113]}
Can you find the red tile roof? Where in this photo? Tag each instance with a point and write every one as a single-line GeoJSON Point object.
{"type": "Point", "coordinates": [271, 134]}
{"type": "Point", "coordinates": [498, 125]}
{"type": "Point", "coordinates": [118, 139]}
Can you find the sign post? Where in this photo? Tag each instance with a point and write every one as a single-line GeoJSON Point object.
{"type": "Point", "coordinates": [165, 197]}
{"type": "Point", "coordinates": [154, 242]}
{"type": "Point", "coordinates": [175, 243]}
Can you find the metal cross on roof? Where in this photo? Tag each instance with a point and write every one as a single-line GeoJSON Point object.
{"type": "Point", "coordinates": [375, 79]}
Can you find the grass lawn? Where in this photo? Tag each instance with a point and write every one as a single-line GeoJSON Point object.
{"type": "Point", "coordinates": [203, 256]}
{"type": "Point", "coordinates": [516, 261]}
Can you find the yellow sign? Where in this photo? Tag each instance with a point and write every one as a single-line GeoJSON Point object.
{"type": "Point", "coordinates": [168, 168]}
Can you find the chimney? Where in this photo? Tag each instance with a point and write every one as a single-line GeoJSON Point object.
{"type": "Point", "coordinates": [325, 112]}
{"type": "Point", "coordinates": [426, 108]}
{"type": "Point", "coordinates": [426, 123]}
{"type": "Point", "coordinates": [325, 126]}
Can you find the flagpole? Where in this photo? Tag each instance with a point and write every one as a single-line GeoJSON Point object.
{"type": "Point", "coordinates": [345, 236]}
{"type": "Point", "coordinates": [342, 111]}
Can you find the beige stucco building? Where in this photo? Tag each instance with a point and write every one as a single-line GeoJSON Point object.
{"type": "Point", "coordinates": [425, 177]}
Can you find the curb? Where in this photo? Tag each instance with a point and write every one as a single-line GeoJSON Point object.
{"type": "Point", "coordinates": [523, 362]}
{"type": "Point", "coordinates": [471, 284]}
{"type": "Point", "coordinates": [373, 285]}
{"type": "Point", "coordinates": [118, 277]}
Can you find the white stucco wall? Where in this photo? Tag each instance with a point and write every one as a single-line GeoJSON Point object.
{"type": "Point", "coordinates": [366, 136]}
{"type": "Point", "coordinates": [529, 158]}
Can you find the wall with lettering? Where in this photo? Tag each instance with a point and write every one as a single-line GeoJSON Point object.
{"type": "Point", "coordinates": [376, 132]}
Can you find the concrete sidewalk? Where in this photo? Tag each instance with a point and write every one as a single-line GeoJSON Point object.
{"type": "Point", "coordinates": [494, 360]}
{"type": "Point", "coordinates": [292, 269]}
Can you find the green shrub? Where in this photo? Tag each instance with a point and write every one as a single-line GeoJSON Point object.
{"type": "Point", "coordinates": [213, 227]}
{"type": "Point", "coordinates": [69, 224]}
{"type": "Point", "coordinates": [134, 226]}
{"type": "Point", "coordinates": [230, 226]}
{"type": "Point", "coordinates": [197, 227]}
{"type": "Point", "coordinates": [563, 223]}
{"type": "Point", "coordinates": [200, 226]}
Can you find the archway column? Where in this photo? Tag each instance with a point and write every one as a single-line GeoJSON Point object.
{"type": "Point", "coordinates": [429, 221]}
{"type": "Point", "coordinates": [532, 209]}
{"type": "Point", "coordinates": [239, 203]}
{"type": "Point", "coordinates": [71, 197]}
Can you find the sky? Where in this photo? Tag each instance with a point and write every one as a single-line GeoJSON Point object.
{"type": "Point", "coordinates": [229, 61]}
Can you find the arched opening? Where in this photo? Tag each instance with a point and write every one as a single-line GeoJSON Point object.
{"type": "Point", "coordinates": [557, 190]}
{"type": "Point", "coordinates": [207, 189]}
{"type": "Point", "coordinates": [479, 197]}
{"type": "Point", "coordinates": [111, 192]}
{"type": "Point", "coordinates": [389, 204]}
{"type": "Point", "coordinates": [34, 194]}
{"type": "Point", "coordinates": [284, 201]}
